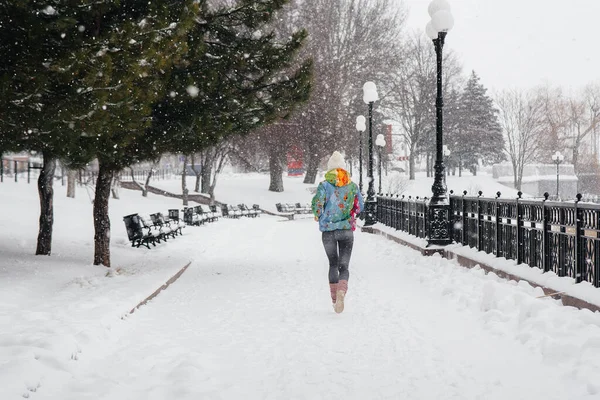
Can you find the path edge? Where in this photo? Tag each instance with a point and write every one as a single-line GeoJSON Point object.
{"type": "Point", "coordinates": [163, 287]}
{"type": "Point", "coordinates": [467, 262]}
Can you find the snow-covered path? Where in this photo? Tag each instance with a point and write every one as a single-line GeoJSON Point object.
{"type": "Point", "coordinates": [251, 319]}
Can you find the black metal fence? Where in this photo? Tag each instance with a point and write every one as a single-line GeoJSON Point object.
{"type": "Point", "coordinates": [15, 169]}
{"type": "Point", "coordinates": [563, 237]}
{"type": "Point", "coordinates": [19, 170]}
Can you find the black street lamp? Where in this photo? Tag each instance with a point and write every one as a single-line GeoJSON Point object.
{"type": "Point", "coordinates": [557, 158]}
{"type": "Point", "coordinates": [439, 206]}
{"type": "Point", "coordinates": [370, 96]}
{"type": "Point", "coordinates": [380, 143]}
{"type": "Point", "coordinates": [360, 127]}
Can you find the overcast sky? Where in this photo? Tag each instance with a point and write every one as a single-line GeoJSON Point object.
{"type": "Point", "coordinates": [522, 43]}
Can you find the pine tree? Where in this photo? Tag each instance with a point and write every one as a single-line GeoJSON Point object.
{"type": "Point", "coordinates": [478, 132]}
{"type": "Point", "coordinates": [240, 78]}
{"type": "Point", "coordinates": [120, 73]}
{"type": "Point", "coordinates": [184, 78]}
{"type": "Point", "coordinates": [35, 93]}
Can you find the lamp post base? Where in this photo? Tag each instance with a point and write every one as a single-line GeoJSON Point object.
{"type": "Point", "coordinates": [370, 212]}
{"type": "Point", "coordinates": [439, 224]}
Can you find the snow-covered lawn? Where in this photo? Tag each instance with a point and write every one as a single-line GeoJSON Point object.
{"type": "Point", "coordinates": [51, 308]}
{"type": "Point", "coordinates": [251, 318]}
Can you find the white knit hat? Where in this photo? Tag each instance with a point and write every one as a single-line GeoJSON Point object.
{"type": "Point", "coordinates": [336, 161]}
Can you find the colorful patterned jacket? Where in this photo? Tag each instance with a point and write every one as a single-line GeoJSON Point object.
{"type": "Point", "coordinates": [337, 202]}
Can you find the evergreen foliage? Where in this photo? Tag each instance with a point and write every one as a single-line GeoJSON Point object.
{"type": "Point", "coordinates": [233, 80]}
{"type": "Point", "coordinates": [477, 132]}
{"type": "Point", "coordinates": [35, 92]}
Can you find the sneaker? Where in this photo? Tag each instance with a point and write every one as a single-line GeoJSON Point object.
{"type": "Point", "coordinates": [339, 302]}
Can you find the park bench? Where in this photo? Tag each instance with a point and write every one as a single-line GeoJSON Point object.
{"type": "Point", "coordinates": [161, 233]}
{"type": "Point", "coordinates": [163, 227]}
{"type": "Point", "coordinates": [169, 227]}
{"type": "Point", "coordinates": [192, 218]}
{"type": "Point", "coordinates": [293, 208]}
{"type": "Point", "coordinates": [203, 214]}
{"type": "Point", "coordinates": [210, 216]}
{"type": "Point", "coordinates": [177, 223]}
{"type": "Point", "coordinates": [136, 233]}
{"type": "Point", "coordinates": [233, 211]}
{"type": "Point", "coordinates": [303, 209]}
{"type": "Point", "coordinates": [225, 211]}
{"type": "Point", "coordinates": [216, 211]}
{"type": "Point", "coordinates": [247, 212]}
{"type": "Point", "coordinates": [256, 207]}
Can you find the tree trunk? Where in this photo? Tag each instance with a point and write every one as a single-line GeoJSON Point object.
{"type": "Point", "coordinates": [101, 218]}
{"type": "Point", "coordinates": [211, 191]}
{"type": "Point", "coordinates": [208, 160]}
{"type": "Point", "coordinates": [276, 170]}
{"type": "Point", "coordinates": [46, 192]}
{"type": "Point", "coordinates": [576, 154]}
{"type": "Point", "coordinates": [116, 184]}
{"type": "Point", "coordinates": [62, 174]}
{"type": "Point", "coordinates": [197, 173]}
{"type": "Point", "coordinates": [427, 165]}
{"type": "Point", "coordinates": [145, 190]}
{"type": "Point", "coordinates": [516, 176]}
{"type": "Point", "coordinates": [411, 165]}
{"type": "Point", "coordinates": [206, 174]}
{"type": "Point", "coordinates": [312, 170]}
{"type": "Point", "coordinates": [71, 180]}
{"type": "Point", "coordinates": [197, 186]}
{"type": "Point", "coordinates": [184, 189]}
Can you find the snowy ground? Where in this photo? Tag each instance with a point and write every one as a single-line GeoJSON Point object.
{"type": "Point", "coordinates": [251, 318]}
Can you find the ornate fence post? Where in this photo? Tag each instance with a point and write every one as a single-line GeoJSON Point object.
{"type": "Point", "coordinates": [384, 212]}
{"type": "Point", "coordinates": [402, 228]}
{"type": "Point", "coordinates": [464, 219]}
{"type": "Point", "coordinates": [426, 219]}
{"type": "Point", "coordinates": [545, 244]}
{"type": "Point", "coordinates": [388, 209]}
{"type": "Point", "coordinates": [409, 214]}
{"type": "Point", "coordinates": [519, 233]}
{"type": "Point", "coordinates": [451, 216]}
{"type": "Point", "coordinates": [497, 212]}
{"type": "Point", "coordinates": [415, 223]}
{"type": "Point", "coordinates": [479, 218]}
{"type": "Point", "coordinates": [395, 218]}
{"type": "Point", "coordinates": [579, 262]}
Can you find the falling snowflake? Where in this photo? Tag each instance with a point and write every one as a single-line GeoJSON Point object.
{"type": "Point", "coordinates": [193, 90]}
{"type": "Point", "coordinates": [49, 10]}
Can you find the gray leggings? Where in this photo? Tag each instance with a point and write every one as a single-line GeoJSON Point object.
{"type": "Point", "coordinates": [338, 259]}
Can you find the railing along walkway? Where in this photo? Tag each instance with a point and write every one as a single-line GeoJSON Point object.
{"type": "Point", "coordinates": [563, 237]}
